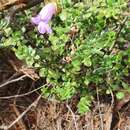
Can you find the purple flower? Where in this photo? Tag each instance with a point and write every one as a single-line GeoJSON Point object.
{"type": "Point", "coordinates": [44, 28]}
{"type": "Point", "coordinates": [43, 18]}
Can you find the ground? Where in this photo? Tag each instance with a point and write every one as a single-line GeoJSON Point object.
{"type": "Point", "coordinates": [46, 114]}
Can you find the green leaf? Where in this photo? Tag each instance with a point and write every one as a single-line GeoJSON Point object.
{"type": "Point", "coordinates": [84, 104]}
{"type": "Point", "coordinates": [86, 81]}
{"type": "Point", "coordinates": [63, 15]}
{"type": "Point", "coordinates": [120, 95]}
{"type": "Point", "coordinates": [87, 62]}
{"type": "Point", "coordinates": [42, 72]}
{"type": "Point", "coordinates": [108, 91]}
{"type": "Point", "coordinates": [65, 92]}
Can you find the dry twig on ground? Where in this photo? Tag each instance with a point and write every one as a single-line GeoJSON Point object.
{"type": "Point", "coordinates": [12, 81]}
{"type": "Point", "coordinates": [73, 116]}
{"type": "Point", "coordinates": [34, 104]}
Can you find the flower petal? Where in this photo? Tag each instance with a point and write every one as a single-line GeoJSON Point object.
{"type": "Point", "coordinates": [48, 29]}
{"type": "Point", "coordinates": [36, 20]}
{"type": "Point", "coordinates": [47, 12]}
{"type": "Point", "coordinates": [42, 27]}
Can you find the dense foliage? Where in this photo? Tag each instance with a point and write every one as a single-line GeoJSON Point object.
{"type": "Point", "coordinates": [87, 51]}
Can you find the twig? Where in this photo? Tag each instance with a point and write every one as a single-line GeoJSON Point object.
{"type": "Point", "coordinates": [14, 76]}
{"type": "Point", "coordinates": [110, 110]}
{"type": "Point", "coordinates": [28, 93]}
{"type": "Point", "coordinates": [73, 116]}
{"type": "Point", "coordinates": [112, 95]}
{"type": "Point", "coordinates": [15, 109]}
{"type": "Point", "coordinates": [121, 27]}
{"type": "Point", "coordinates": [34, 104]}
{"type": "Point", "coordinates": [101, 119]}
{"type": "Point", "coordinates": [20, 122]}
{"type": "Point", "coordinates": [22, 95]}
{"type": "Point", "coordinates": [119, 31]}
{"type": "Point", "coordinates": [12, 81]}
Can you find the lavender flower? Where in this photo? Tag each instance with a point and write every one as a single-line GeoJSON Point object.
{"type": "Point", "coordinates": [44, 28]}
{"type": "Point", "coordinates": [43, 18]}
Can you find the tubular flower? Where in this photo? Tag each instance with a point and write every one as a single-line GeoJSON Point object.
{"type": "Point", "coordinates": [43, 18]}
